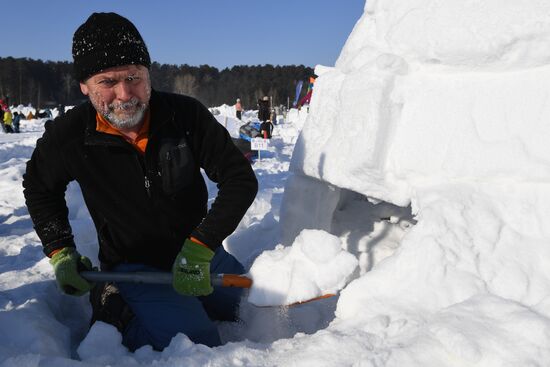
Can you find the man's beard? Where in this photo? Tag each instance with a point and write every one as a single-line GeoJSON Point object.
{"type": "Point", "coordinates": [125, 122]}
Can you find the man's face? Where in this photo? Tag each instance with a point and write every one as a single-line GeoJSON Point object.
{"type": "Point", "coordinates": [120, 94]}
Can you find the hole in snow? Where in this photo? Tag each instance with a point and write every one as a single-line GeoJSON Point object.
{"type": "Point", "coordinates": [371, 230]}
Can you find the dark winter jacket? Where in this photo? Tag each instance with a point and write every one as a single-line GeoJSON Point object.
{"type": "Point", "coordinates": [266, 126]}
{"type": "Point", "coordinates": [263, 110]}
{"type": "Point", "coordinates": [143, 206]}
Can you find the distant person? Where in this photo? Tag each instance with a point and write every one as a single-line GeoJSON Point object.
{"type": "Point", "coordinates": [263, 109]}
{"type": "Point", "coordinates": [60, 110]}
{"type": "Point", "coordinates": [16, 121]}
{"type": "Point", "coordinates": [8, 120]}
{"type": "Point", "coordinates": [138, 154]}
{"type": "Point", "coordinates": [2, 120]}
{"type": "Point", "coordinates": [45, 113]}
{"type": "Point", "coordinates": [273, 116]}
{"type": "Point", "coordinates": [266, 129]}
{"type": "Point", "coordinates": [238, 109]}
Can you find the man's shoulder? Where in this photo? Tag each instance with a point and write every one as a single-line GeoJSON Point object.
{"type": "Point", "coordinates": [72, 124]}
{"type": "Point", "coordinates": [176, 99]}
{"type": "Point", "coordinates": [185, 108]}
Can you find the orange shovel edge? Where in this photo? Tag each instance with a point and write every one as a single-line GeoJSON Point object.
{"type": "Point", "coordinates": [231, 280]}
{"type": "Point", "coordinates": [146, 277]}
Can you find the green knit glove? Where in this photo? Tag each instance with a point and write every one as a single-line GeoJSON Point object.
{"type": "Point", "coordinates": [67, 264]}
{"type": "Point", "coordinates": [191, 270]}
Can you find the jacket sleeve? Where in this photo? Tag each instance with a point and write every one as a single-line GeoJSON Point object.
{"type": "Point", "coordinates": [225, 165]}
{"type": "Point", "coordinates": [45, 182]}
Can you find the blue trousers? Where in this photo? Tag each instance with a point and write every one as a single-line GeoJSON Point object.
{"type": "Point", "coordinates": [161, 313]}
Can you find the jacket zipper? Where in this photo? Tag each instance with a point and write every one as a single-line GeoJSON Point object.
{"type": "Point", "coordinates": [145, 168]}
{"type": "Point", "coordinates": [146, 181]}
{"type": "Point", "coordinates": [147, 186]}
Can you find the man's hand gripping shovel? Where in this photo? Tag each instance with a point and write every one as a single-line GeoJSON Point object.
{"type": "Point", "coordinates": [217, 280]}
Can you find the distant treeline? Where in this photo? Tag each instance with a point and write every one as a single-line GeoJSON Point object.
{"type": "Point", "coordinates": [48, 83]}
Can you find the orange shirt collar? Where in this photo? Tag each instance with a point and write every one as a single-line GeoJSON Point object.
{"type": "Point", "coordinates": [140, 143]}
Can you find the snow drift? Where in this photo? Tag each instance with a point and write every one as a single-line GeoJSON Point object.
{"type": "Point", "coordinates": [441, 105]}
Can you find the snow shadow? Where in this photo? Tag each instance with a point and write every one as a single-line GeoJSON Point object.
{"type": "Point", "coordinates": [28, 256]}
{"type": "Point", "coordinates": [42, 320]}
{"type": "Point", "coordinates": [369, 228]}
{"type": "Point", "coordinates": [16, 223]}
{"type": "Point", "coordinates": [14, 151]}
{"type": "Point", "coordinates": [269, 324]}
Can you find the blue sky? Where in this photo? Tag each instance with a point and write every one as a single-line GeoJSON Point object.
{"type": "Point", "coordinates": [220, 33]}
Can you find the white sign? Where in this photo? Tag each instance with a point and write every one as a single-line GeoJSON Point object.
{"type": "Point", "coordinates": [259, 144]}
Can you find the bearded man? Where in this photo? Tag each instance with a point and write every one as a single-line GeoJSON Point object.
{"type": "Point", "coordinates": [137, 155]}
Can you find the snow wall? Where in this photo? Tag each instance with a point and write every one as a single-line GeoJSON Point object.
{"type": "Point", "coordinates": [441, 105]}
{"type": "Point", "coordinates": [433, 90]}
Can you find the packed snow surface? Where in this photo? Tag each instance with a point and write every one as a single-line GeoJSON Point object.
{"type": "Point", "coordinates": [315, 265]}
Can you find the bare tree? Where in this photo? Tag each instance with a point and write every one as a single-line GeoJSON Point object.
{"type": "Point", "coordinates": [67, 84]}
{"type": "Point", "coordinates": [186, 84]}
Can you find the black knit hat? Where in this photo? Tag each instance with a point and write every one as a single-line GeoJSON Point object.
{"type": "Point", "coordinates": [106, 40]}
